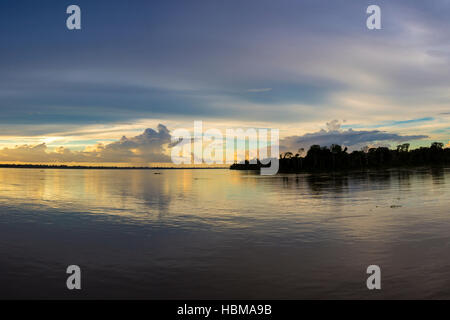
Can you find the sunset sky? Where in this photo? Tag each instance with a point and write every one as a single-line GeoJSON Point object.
{"type": "Point", "coordinates": [310, 68]}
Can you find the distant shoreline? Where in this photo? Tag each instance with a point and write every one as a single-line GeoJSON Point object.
{"type": "Point", "coordinates": [39, 166]}
{"type": "Point", "coordinates": [336, 158]}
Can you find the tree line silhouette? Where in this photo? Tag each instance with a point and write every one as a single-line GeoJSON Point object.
{"type": "Point", "coordinates": [335, 158]}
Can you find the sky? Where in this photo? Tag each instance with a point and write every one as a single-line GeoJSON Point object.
{"type": "Point", "coordinates": [137, 70]}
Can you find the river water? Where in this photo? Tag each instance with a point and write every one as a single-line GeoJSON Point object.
{"type": "Point", "coordinates": [208, 234]}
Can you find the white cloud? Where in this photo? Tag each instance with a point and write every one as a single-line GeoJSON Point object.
{"type": "Point", "coordinates": [150, 146]}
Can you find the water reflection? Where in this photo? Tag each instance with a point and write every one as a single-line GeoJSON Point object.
{"type": "Point", "coordinates": [145, 235]}
{"type": "Point", "coordinates": [134, 193]}
{"type": "Point", "coordinates": [437, 174]}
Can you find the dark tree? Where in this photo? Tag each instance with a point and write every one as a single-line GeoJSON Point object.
{"type": "Point", "coordinates": [336, 158]}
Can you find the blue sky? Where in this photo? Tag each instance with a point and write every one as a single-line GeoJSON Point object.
{"type": "Point", "coordinates": [292, 65]}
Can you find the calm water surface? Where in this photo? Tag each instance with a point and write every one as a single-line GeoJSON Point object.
{"type": "Point", "coordinates": [224, 234]}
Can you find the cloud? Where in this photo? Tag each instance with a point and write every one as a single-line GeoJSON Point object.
{"type": "Point", "coordinates": [391, 123]}
{"type": "Point", "coordinates": [150, 146]}
{"type": "Point", "coordinates": [333, 125]}
{"type": "Point", "coordinates": [281, 63]}
{"type": "Point", "coordinates": [314, 54]}
{"type": "Point", "coordinates": [354, 139]}
{"type": "Point", "coordinates": [260, 90]}
{"type": "Point", "coordinates": [147, 147]}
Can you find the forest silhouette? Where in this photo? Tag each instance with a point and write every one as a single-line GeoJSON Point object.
{"type": "Point", "coordinates": [336, 158]}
